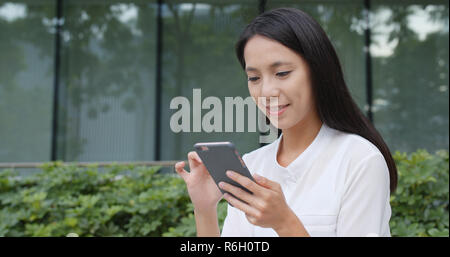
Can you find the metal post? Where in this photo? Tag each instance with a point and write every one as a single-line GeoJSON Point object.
{"type": "Point", "coordinates": [158, 84]}
{"type": "Point", "coordinates": [368, 57]}
{"type": "Point", "coordinates": [55, 117]}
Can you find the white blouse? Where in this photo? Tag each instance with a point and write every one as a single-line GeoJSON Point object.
{"type": "Point", "coordinates": [339, 186]}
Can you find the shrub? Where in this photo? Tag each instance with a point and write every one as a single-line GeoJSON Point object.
{"type": "Point", "coordinates": [420, 204]}
{"type": "Point", "coordinates": [139, 201]}
{"type": "Point", "coordinates": [121, 201]}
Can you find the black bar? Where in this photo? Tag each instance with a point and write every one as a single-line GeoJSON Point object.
{"type": "Point", "coordinates": [158, 84]}
{"type": "Point", "coordinates": [55, 124]}
{"type": "Point", "coordinates": [223, 246]}
{"type": "Point", "coordinates": [368, 56]}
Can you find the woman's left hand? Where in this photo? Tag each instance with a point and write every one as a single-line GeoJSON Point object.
{"type": "Point", "coordinates": [266, 207]}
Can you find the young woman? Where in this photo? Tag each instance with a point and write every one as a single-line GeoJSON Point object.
{"type": "Point", "coordinates": [329, 174]}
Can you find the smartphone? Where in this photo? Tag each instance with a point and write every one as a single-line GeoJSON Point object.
{"type": "Point", "coordinates": [218, 157]}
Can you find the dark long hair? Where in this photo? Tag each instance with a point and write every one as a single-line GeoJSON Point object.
{"type": "Point", "coordinates": [336, 108]}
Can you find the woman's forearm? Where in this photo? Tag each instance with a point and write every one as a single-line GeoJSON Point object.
{"type": "Point", "coordinates": [207, 223]}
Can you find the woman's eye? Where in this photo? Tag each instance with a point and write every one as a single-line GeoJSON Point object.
{"type": "Point", "coordinates": [253, 79]}
{"type": "Point", "coordinates": [283, 73]}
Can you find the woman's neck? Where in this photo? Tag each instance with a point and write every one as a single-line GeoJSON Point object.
{"type": "Point", "coordinates": [296, 139]}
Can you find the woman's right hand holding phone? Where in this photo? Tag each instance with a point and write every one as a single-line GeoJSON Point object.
{"type": "Point", "coordinates": [201, 187]}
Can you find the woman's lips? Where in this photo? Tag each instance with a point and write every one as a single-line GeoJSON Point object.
{"type": "Point", "coordinates": [276, 110]}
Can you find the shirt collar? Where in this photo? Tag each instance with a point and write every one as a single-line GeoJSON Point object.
{"type": "Point", "coordinates": [297, 167]}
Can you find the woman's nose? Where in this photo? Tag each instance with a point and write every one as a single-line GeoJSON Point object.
{"type": "Point", "coordinates": [269, 89]}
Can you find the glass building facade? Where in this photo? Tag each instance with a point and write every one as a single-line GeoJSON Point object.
{"type": "Point", "coordinates": [91, 80]}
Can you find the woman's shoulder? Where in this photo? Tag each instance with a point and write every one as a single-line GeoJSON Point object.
{"type": "Point", "coordinates": [353, 145]}
{"type": "Point", "coordinates": [362, 156]}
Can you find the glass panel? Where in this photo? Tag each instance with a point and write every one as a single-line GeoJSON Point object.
{"type": "Point", "coordinates": [343, 21]}
{"type": "Point", "coordinates": [26, 80]}
{"type": "Point", "coordinates": [410, 68]}
{"type": "Point", "coordinates": [198, 45]}
{"type": "Point", "coordinates": [108, 80]}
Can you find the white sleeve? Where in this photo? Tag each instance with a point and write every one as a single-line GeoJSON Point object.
{"type": "Point", "coordinates": [236, 224]}
{"type": "Point", "coordinates": [365, 208]}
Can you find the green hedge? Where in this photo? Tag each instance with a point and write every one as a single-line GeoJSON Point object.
{"type": "Point", "coordinates": [420, 203]}
{"type": "Point", "coordinates": [138, 201]}
{"type": "Point", "coordinates": [118, 201]}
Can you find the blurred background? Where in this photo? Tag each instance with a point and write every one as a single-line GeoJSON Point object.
{"type": "Point", "coordinates": [91, 80]}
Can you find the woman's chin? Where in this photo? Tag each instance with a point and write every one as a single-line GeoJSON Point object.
{"type": "Point", "coordinates": [280, 124]}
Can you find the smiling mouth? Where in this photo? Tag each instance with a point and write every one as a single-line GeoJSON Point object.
{"type": "Point", "coordinates": [276, 110]}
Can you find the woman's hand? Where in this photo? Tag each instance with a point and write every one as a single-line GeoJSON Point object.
{"type": "Point", "coordinates": [201, 187]}
{"type": "Point", "coordinates": [266, 207]}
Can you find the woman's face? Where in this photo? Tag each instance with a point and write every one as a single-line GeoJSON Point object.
{"type": "Point", "coordinates": [274, 70]}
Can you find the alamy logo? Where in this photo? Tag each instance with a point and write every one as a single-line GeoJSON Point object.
{"type": "Point", "coordinates": [212, 121]}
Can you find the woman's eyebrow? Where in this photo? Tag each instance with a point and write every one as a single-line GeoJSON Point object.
{"type": "Point", "coordinates": [250, 69]}
{"type": "Point", "coordinates": [279, 63]}
{"type": "Point", "coordinates": [273, 65]}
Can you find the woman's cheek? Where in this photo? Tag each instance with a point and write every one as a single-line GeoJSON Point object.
{"type": "Point", "coordinates": [251, 89]}
{"type": "Point", "coordinates": [254, 93]}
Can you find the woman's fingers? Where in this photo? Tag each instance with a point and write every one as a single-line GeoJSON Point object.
{"type": "Point", "coordinates": [244, 181]}
{"type": "Point", "coordinates": [236, 191]}
{"type": "Point", "coordinates": [179, 168]}
{"type": "Point", "coordinates": [194, 155]}
{"type": "Point", "coordinates": [194, 159]}
{"type": "Point", "coordinates": [247, 209]}
{"type": "Point", "coordinates": [267, 183]}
